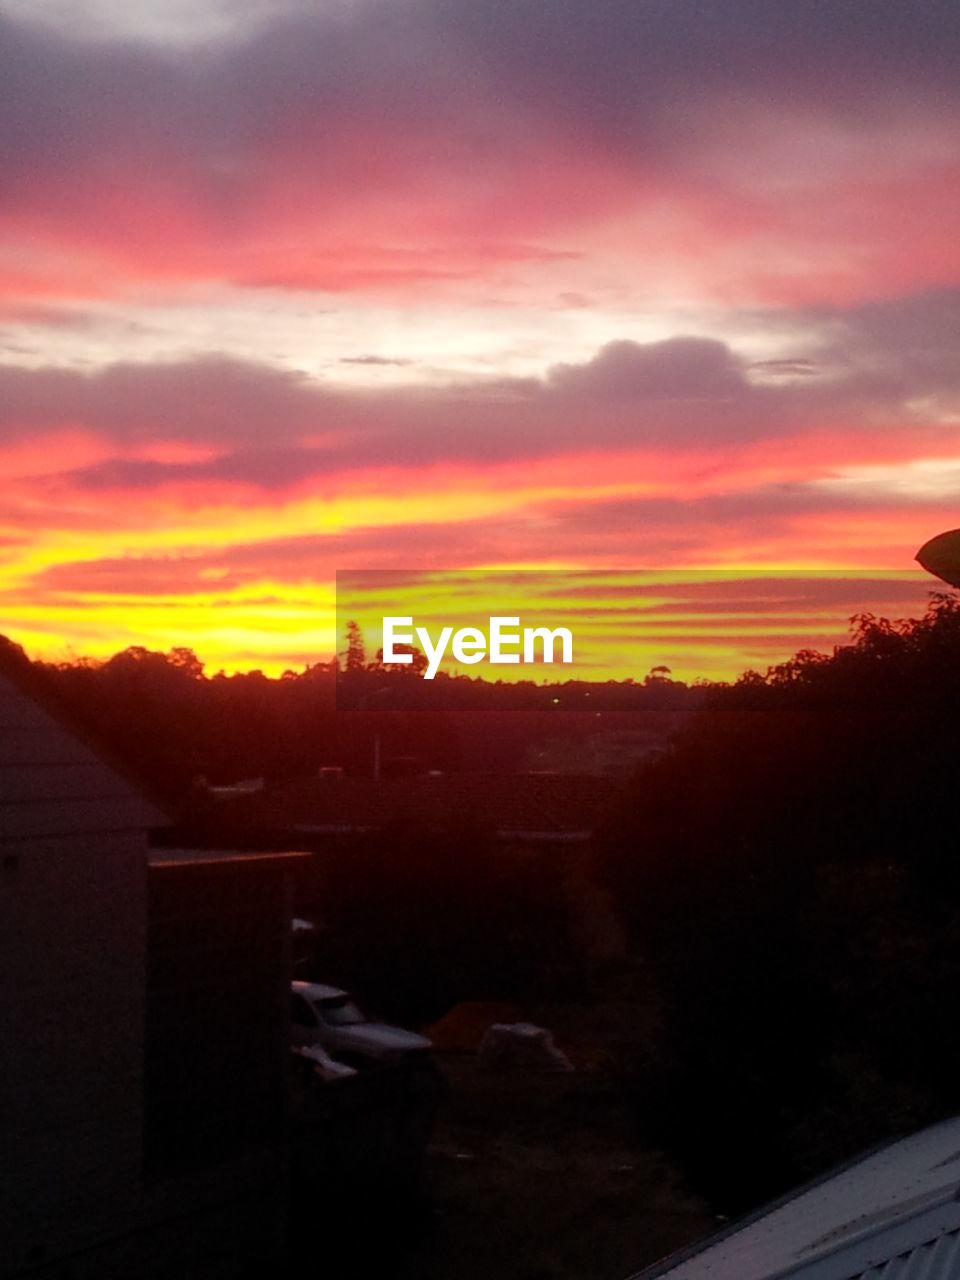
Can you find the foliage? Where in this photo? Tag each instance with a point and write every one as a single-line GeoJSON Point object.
{"type": "Point", "coordinates": [419, 920]}
{"type": "Point", "coordinates": [171, 723]}
{"type": "Point", "coordinates": [355, 658]}
{"type": "Point", "coordinates": [789, 869]}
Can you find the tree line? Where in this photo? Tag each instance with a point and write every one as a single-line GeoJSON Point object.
{"type": "Point", "coordinates": [789, 872]}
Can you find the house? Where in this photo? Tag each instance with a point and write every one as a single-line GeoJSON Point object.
{"type": "Point", "coordinates": [143, 1000]}
{"type": "Point", "coordinates": [544, 820]}
{"type": "Point", "coordinates": [892, 1214]}
{"type": "Point", "coordinates": [524, 810]}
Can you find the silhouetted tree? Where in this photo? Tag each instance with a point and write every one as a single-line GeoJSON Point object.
{"type": "Point", "coordinates": [789, 872]}
{"type": "Point", "coordinates": [355, 658]}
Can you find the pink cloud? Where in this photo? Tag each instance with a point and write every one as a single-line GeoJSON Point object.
{"type": "Point", "coordinates": [394, 146]}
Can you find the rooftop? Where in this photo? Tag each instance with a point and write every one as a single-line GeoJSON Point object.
{"type": "Point", "coordinates": [55, 778]}
{"type": "Point", "coordinates": [892, 1213]}
{"type": "Point", "coordinates": [207, 857]}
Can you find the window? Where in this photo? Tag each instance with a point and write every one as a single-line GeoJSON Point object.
{"type": "Point", "coordinates": [301, 1014]}
{"type": "Point", "coordinates": [341, 1013]}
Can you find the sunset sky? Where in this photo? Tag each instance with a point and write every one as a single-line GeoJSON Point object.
{"type": "Point", "coordinates": [288, 288]}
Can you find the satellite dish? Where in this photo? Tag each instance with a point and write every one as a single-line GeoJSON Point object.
{"type": "Point", "coordinates": [941, 556]}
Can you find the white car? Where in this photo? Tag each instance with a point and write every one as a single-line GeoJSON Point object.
{"type": "Point", "coordinates": [327, 1016]}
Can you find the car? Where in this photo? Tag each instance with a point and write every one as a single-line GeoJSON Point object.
{"type": "Point", "coordinates": [328, 1016]}
{"type": "Point", "coordinates": [315, 1062]}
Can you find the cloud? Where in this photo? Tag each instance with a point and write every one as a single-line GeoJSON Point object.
{"type": "Point", "coordinates": [209, 399]}
{"type": "Point", "coordinates": [376, 361]}
{"type": "Point", "coordinates": [810, 149]}
{"type": "Point", "coordinates": [643, 532]}
{"type": "Point", "coordinates": [907, 345]}
{"type": "Point", "coordinates": [675, 369]}
{"type": "Point", "coordinates": [787, 172]}
{"type": "Point", "coordinates": [243, 426]}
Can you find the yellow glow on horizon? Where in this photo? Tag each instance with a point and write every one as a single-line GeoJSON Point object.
{"type": "Point", "coordinates": [274, 615]}
{"type": "Point", "coordinates": [271, 627]}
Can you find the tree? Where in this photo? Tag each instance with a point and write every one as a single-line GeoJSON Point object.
{"type": "Point", "coordinates": [416, 666]}
{"type": "Point", "coordinates": [186, 660]}
{"type": "Point", "coordinates": [356, 654]}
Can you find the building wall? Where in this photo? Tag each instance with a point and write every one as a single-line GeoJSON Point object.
{"type": "Point", "coordinates": [121, 1153]}
{"type": "Point", "coordinates": [78, 1196]}
{"type": "Point", "coordinates": [217, 1041]}
{"type": "Point", "coordinates": [73, 926]}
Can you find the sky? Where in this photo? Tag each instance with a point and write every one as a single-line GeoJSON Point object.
{"type": "Point", "coordinates": [288, 288]}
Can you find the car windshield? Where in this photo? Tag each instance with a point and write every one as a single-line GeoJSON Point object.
{"type": "Point", "coordinates": [339, 1013]}
{"type": "Point", "coordinates": [301, 1013]}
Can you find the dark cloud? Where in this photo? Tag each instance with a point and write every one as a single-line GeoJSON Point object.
{"type": "Point", "coordinates": [376, 361]}
{"type": "Point", "coordinates": [268, 428]}
{"type": "Point", "coordinates": [785, 368]}
{"type": "Point", "coordinates": [397, 101]}
{"type": "Point", "coordinates": [210, 400]}
{"type": "Point", "coordinates": [611, 58]}
{"type": "Point", "coordinates": [907, 345]}
{"type": "Point", "coordinates": [675, 369]}
{"type": "Point", "coordinates": [275, 430]}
